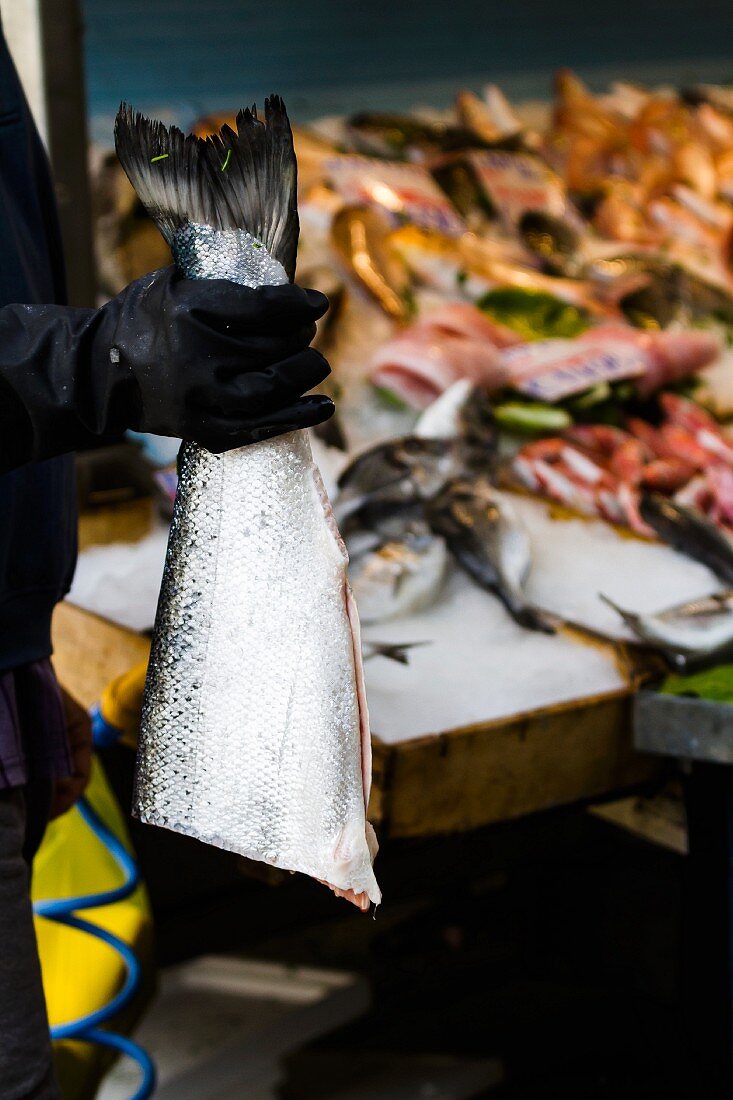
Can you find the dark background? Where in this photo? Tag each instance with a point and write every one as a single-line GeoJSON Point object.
{"type": "Point", "coordinates": [186, 57]}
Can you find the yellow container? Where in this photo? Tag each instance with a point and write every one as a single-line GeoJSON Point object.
{"type": "Point", "coordinates": [80, 973]}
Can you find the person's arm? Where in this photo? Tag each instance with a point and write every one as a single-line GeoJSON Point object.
{"type": "Point", "coordinates": [209, 361]}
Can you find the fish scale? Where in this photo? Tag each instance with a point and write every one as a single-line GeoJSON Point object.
{"type": "Point", "coordinates": [254, 734]}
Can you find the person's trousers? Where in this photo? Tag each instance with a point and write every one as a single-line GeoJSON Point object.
{"type": "Point", "coordinates": [26, 1066]}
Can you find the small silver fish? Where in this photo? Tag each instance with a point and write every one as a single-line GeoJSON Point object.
{"type": "Point", "coordinates": [400, 577]}
{"type": "Point", "coordinates": [690, 631]}
{"type": "Point", "coordinates": [398, 473]}
{"type": "Point", "coordinates": [490, 543]}
{"type": "Point", "coordinates": [254, 733]}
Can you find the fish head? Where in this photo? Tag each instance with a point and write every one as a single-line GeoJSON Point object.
{"type": "Point", "coordinates": [456, 510]}
{"type": "Point", "coordinates": [371, 473]}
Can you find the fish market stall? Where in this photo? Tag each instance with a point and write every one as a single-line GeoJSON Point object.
{"type": "Point", "coordinates": [529, 315]}
{"type": "Point", "coordinates": [529, 721]}
{"type": "Point", "coordinates": [532, 461]}
{"type": "Point", "coordinates": [445, 780]}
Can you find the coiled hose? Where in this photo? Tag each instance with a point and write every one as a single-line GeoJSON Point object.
{"type": "Point", "coordinates": [88, 1029]}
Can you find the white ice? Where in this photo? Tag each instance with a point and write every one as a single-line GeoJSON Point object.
{"type": "Point", "coordinates": [575, 560]}
{"type": "Point", "coordinates": [478, 666]}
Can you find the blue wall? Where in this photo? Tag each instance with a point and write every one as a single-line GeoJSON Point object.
{"type": "Point", "coordinates": [184, 57]}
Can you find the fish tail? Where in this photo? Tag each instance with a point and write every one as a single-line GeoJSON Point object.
{"type": "Point", "coordinates": [244, 179]}
{"type": "Point", "coordinates": [393, 651]}
{"type": "Point", "coordinates": [531, 618]}
{"type": "Point", "coordinates": [632, 620]}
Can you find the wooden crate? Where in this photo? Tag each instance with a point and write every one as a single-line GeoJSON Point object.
{"type": "Point", "coordinates": [89, 652]}
{"type": "Point", "coordinates": [504, 769]}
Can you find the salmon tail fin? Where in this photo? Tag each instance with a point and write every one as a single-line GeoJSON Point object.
{"type": "Point", "coordinates": [168, 171]}
{"type": "Point", "coordinates": [232, 180]}
{"type": "Point", "coordinates": [258, 178]}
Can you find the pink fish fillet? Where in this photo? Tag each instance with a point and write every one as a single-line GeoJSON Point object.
{"type": "Point", "coordinates": [462, 319]}
{"type": "Point", "coordinates": [669, 356]}
{"type": "Point", "coordinates": [422, 362]}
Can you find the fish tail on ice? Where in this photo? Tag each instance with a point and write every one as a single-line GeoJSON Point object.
{"type": "Point", "coordinates": [532, 618]}
{"type": "Point", "coordinates": [392, 651]}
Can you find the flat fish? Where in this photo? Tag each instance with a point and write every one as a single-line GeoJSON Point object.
{"type": "Point", "coordinates": [254, 734]}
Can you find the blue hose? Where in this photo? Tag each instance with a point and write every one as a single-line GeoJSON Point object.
{"type": "Point", "coordinates": [88, 1028]}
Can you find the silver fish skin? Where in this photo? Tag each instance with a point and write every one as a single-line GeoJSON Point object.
{"type": "Point", "coordinates": [693, 630]}
{"type": "Point", "coordinates": [255, 734]}
{"type": "Point", "coordinates": [401, 577]}
{"type": "Point", "coordinates": [489, 541]}
{"type": "Point", "coordinates": [398, 473]}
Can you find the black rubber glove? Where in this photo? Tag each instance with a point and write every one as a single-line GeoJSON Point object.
{"type": "Point", "coordinates": [207, 360]}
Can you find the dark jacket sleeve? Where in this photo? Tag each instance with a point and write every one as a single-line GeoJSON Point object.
{"type": "Point", "coordinates": [205, 360]}
{"type": "Point", "coordinates": [55, 395]}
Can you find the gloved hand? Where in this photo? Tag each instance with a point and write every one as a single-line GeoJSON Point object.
{"type": "Point", "coordinates": [216, 362]}
{"type": "Point", "coordinates": [207, 360]}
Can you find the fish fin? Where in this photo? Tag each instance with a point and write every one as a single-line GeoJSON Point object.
{"type": "Point", "coordinates": [232, 180]}
{"type": "Point", "coordinates": [631, 619]}
{"type": "Point", "coordinates": [259, 184]}
{"type": "Point", "coordinates": [393, 651]}
{"type": "Point", "coordinates": [166, 168]}
{"type": "Point", "coordinates": [533, 619]}
{"type": "Point", "coordinates": [352, 845]}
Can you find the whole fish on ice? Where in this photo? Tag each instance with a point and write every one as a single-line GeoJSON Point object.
{"type": "Point", "coordinates": [392, 476]}
{"type": "Point", "coordinates": [689, 633]}
{"type": "Point", "coordinates": [254, 733]}
{"type": "Point", "coordinates": [400, 577]}
{"type": "Point", "coordinates": [690, 532]}
{"type": "Point", "coordinates": [489, 542]}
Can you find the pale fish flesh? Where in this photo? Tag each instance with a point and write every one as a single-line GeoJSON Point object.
{"type": "Point", "coordinates": [453, 342]}
{"type": "Point", "coordinates": [254, 732]}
